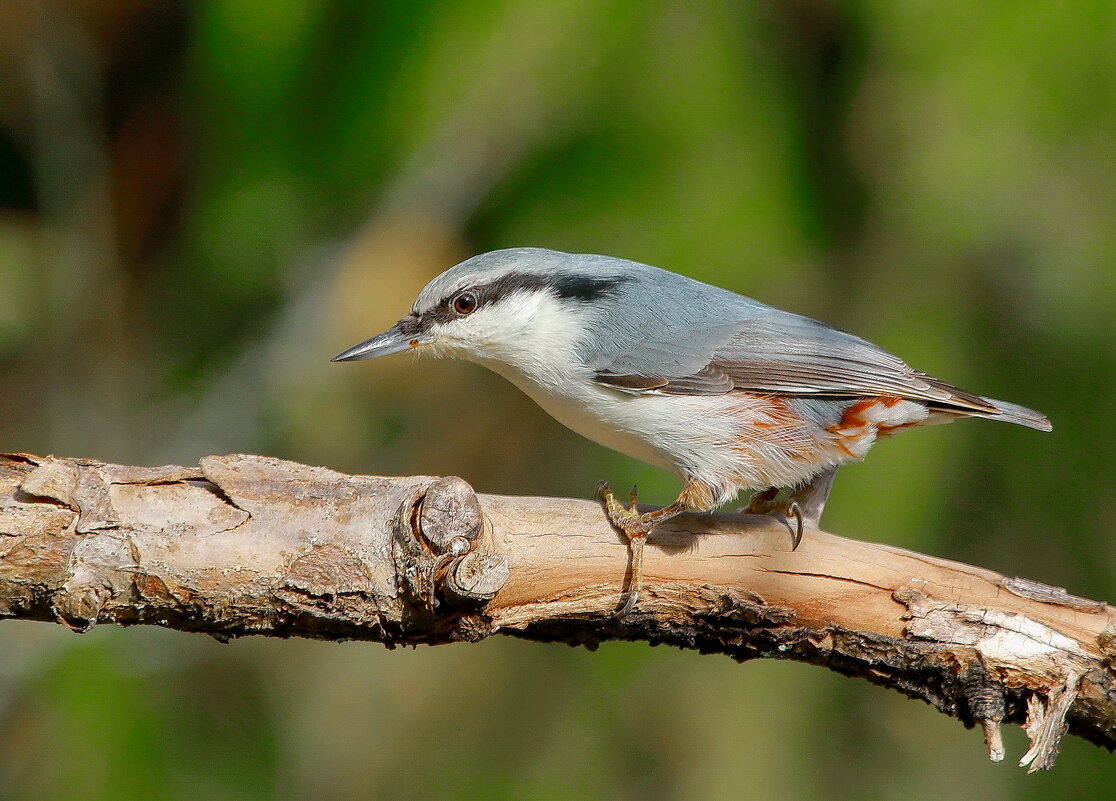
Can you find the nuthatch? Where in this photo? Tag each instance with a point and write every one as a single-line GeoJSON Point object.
{"type": "Point", "coordinates": [725, 392]}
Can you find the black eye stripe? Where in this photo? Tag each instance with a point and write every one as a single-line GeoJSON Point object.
{"type": "Point", "coordinates": [584, 287]}
{"type": "Point", "coordinates": [564, 285]}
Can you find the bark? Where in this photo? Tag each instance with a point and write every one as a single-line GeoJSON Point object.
{"type": "Point", "coordinates": [251, 545]}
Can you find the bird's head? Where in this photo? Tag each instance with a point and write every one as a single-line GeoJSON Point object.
{"type": "Point", "coordinates": [523, 308]}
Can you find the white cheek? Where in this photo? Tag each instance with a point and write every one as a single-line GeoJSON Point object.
{"type": "Point", "coordinates": [467, 337]}
{"type": "Point", "coordinates": [529, 334]}
{"type": "Point", "coordinates": [486, 327]}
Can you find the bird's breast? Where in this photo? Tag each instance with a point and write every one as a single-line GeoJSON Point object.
{"type": "Point", "coordinates": [622, 422]}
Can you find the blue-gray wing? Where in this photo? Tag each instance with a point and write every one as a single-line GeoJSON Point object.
{"type": "Point", "coordinates": [780, 353]}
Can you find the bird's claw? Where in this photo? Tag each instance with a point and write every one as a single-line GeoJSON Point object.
{"type": "Point", "coordinates": [766, 503]}
{"type": "Point", "coordinates": [630, 600]}
{"type": "Point", "coordinates": [793, 510]}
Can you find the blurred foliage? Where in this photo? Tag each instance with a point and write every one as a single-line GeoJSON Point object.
{"type": "Point", "coordinates": [200, 203]}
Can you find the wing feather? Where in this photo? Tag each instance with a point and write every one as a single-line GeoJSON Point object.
{"type": "Point", "coordinates": [780, 353]}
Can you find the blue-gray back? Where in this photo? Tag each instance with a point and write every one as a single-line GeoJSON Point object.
{"type": "Point", "coordinates": [658, 331]}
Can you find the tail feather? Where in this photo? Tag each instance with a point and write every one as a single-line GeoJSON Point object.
{"type": "Point", "coordinates": [1020, 415]}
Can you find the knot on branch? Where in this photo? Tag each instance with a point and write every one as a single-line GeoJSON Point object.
{"type": "Point", "coordinates": [102, 566]}
{"type": "Point", "coordinates": [442, 541]}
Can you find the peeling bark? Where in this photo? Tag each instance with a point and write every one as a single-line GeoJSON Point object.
{"type": "Point", "coordinates": [250, 545]}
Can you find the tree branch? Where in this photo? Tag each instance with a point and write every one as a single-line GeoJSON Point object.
{"type": "Point", "coordinates": [252, 545]}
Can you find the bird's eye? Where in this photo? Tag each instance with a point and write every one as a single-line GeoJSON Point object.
{"type": "Point", "coordinates": [465, 303]}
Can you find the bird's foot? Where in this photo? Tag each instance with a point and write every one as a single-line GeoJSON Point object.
{"type": "Point", "coordinates": [626, 518]}
{"type": "Point", "coordinates": [768, 502]}
{"type": "Point", "coordinates": [636, 527]}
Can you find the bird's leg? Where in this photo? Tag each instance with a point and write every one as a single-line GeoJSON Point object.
{"type": "Point", "coordinates": [635, 527]}
{"type": "Point", "coordinates": [804, 504]}
{"type": "Point", "coordinates": [811, 497]}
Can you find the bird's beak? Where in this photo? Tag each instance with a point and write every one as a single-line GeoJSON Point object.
{"type": "Point", "coordinates": [394, 340]}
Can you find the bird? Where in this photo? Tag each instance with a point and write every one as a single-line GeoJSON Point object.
{"type": "Point", "coordinates": [724, 391]}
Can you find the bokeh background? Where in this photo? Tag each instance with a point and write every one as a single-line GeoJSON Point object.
{"type": "Point", "coordinates": [201, 202]}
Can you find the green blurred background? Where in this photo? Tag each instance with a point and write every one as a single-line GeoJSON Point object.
{"type": "Point", "coordinates": [201, 202]}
